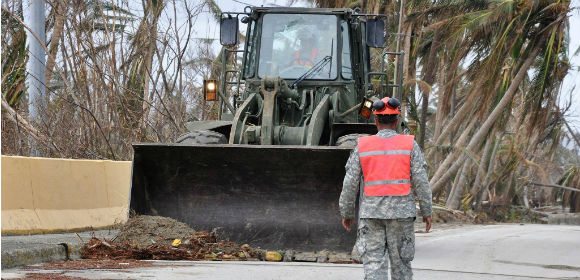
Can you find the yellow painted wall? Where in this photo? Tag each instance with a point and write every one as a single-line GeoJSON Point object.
{"type": "Point", "coordinates": [52, 195]}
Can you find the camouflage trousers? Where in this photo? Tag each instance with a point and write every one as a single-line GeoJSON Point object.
{"type": "Point", "coordinates": [379, 239]}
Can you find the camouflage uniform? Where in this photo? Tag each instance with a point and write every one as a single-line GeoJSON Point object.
{"type": "Point", "coordinates": [386, 225]}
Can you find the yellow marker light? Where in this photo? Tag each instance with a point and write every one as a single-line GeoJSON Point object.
{"type": "Point", "coordinates": [210, 90]}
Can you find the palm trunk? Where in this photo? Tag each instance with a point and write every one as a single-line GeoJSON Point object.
{"type": "Point", "coordinates": [448, 86]}
{"type": "Point", "coordinates": [60, 16]}
{"type": "Point", "coordinates": [459, 118]}
{"type": "Point", "coordinates": [489, 172]}
{"type": "Point", "coordinates": [457, 191]}
{"type": "Point", "coordinates": [429, 78]}
{"type": "Point", "coordinates": [458, 149]}
{"type": "Point", "coordinates": [481, 168]}
{"type": "Point", "coordinates": [407, 63]}
{"type": "Point", "coordinates": [441, 114]}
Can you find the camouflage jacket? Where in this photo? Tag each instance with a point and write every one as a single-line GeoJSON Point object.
{"type": "Point", "coordinates": [386, 207]}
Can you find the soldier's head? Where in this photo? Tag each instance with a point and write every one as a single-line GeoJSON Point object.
{"type": "Point", "coordinates": [387, 111]}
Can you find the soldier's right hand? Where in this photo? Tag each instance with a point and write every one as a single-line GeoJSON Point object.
{"type": "Point", "coordinates": [346, 224]}
{"type": "Point", "coordinates": [427, 221]}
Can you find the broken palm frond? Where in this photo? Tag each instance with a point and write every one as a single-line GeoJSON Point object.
{"type": "Point", "coordinates": [467, 201]}
{"type": "Point", "coordinates": [443, 214]}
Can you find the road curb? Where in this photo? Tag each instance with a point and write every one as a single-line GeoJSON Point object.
{"type": "Point", "coordinates": [21, 250]}
{"type": "Point", "coordinates": [40, 254]}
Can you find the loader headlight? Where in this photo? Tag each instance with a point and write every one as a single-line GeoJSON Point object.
{"type": "Point", "coordinates": [366, 108]}
{"type": "Point", "coordinates": [210, 90]}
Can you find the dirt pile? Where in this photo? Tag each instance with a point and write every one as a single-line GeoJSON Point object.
{"type": "Point", "coordinates": [144, 231]}
{"type": "Point", "coordinates": [160, 238]}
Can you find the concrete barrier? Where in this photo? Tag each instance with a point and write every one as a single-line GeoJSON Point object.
{"type": "Point", "coordinates": [43, 195]}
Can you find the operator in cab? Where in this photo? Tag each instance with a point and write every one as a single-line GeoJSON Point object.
{"type": "Point", "coordinates": [308, 54]}
{"type": "Point", "coordinates": [394, 173]}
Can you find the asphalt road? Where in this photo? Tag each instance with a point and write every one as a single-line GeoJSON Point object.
{"type": "Point", "coordinates": [548, 251]}
{"type": "Point", "coordinates": [494, 252]}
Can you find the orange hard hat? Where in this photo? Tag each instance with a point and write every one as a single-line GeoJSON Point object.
{"type": "Point", "coordinates": [387, 106]}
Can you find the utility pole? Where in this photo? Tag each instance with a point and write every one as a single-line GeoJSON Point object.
{"type": "Point", "coordinates": [34, 18]}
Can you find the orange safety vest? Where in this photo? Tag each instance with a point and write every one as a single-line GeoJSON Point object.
{"type": "Point", "coordinates": [305, 61]}
{"type": "Point", "coordinates": [386, 164]}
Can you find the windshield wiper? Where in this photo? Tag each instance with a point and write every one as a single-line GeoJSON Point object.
{"type": "Point", "coordinates": [313, 70]}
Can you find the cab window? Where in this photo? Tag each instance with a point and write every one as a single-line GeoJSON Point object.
{"type": "Point", "coordinates": [293, 44]}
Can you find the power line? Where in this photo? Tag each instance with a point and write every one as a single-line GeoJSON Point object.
{"type": "Point", "coordinates": [237, 1]}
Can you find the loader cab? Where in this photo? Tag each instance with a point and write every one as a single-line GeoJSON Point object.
{"type": "Point", "coordinates": [287, 42]}
{"type": "Point", "coordinates": [291, 44]}
{"type": "Point", "coordinates": [317, 63]}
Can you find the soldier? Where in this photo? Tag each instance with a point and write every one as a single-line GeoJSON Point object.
{"type": "Point", "coordinates": [308, 54]}
{"type": "Point", "coordinates": [392, 166]}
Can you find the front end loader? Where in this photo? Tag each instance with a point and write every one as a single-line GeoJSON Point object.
{"type": "Point", "coordinates": [292, 103]}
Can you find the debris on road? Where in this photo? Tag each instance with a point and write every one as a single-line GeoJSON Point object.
{"type": "Point", "coordinates": [488, 215]}
{"type": "Point", "coordinates": [273, 256]}
{"type": "Point", "coordinates": [445, 215]}
{"type": "Point", "coordinates": [514, 214]}
{"type": "Point", "coordinates": [160, 238]}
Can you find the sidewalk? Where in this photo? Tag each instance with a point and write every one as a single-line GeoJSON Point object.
{"type": "Point", "coordinates": [22, 250]}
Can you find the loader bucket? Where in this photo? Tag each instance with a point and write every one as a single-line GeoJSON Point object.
{"type": "Point", "coordinates": [274, 197]}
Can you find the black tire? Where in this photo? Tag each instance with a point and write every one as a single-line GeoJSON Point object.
{"type": "Point", "coordinates": [202, 137]}
{"type": "Point", "coordinates": [349, 140]}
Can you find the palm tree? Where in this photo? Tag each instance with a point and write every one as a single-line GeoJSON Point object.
{"type": "Point", "coordinates": [523, 34]}
{"type": "Point", "coordinates": [476, 57]}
